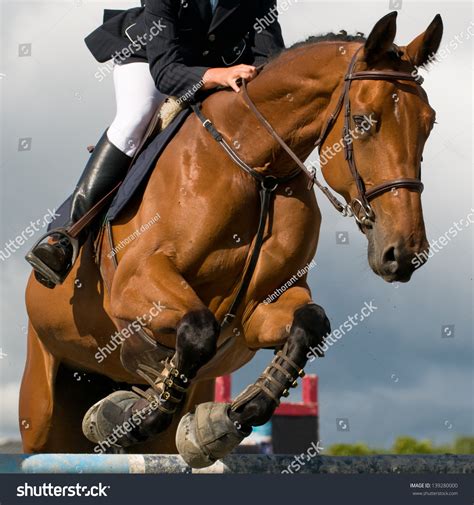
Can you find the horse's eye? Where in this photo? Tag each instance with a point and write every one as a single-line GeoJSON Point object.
{"type": "Point", "coordinates": [358, 120]}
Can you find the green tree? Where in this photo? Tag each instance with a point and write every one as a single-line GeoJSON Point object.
{"type": "Point", "coordinates": [409, 445]}
{"type": "Point", "coordinates": [405, 445]}
{"type": "Point", "coordinates": [358, 449]}
{"type": "Point", "coordinates": [464, 445]}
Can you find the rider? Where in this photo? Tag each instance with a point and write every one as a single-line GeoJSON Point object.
{"type": "Point", "coordinates": [166, 47]}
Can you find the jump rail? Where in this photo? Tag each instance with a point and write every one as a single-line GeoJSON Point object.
{"type": "Point", "coordinates": [236, 464]}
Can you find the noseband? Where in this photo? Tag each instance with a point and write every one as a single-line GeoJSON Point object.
{"type": "Point", "coordinates": [359, 207]}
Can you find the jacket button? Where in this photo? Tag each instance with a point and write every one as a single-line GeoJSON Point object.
{"type": "Point", "coordinates": [212, 37]}
{"type": "Point", "coordinates": [205, 53]}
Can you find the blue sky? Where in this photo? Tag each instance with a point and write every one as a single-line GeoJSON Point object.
{"type": "Point", "coordinates": [394, 374]}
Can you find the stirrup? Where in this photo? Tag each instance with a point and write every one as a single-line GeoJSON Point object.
{"type": "Point", "coordinates": [39, 266]}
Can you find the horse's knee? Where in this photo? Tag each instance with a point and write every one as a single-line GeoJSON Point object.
{"type": "Point", "coordinates": [310, 326]}
{"type": "Point", "coordinates": [196, 339]}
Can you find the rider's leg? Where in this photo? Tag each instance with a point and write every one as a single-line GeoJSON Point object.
{"type": "Point", "coordinates": [137, 99]}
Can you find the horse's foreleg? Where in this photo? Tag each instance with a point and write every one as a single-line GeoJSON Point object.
{"type": "Point", "coordinates": [221, 427]}
{"type": "Point", "coordinates": [256, 404]}
{"type": "Point", "coordinates": [184, 323]}
{"type": "Point", "coordinates": [196, 339]}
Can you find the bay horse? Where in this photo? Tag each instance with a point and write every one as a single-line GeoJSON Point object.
{"type": "Point", "coordinates": [189, 262]}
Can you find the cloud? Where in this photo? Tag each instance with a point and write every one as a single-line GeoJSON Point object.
{"type": "Point", "coordinates": [434, 406]}
{"type": "Point", "coordinates": [54, 98]}
{"type": "Point", "coordinates": [9, 410]}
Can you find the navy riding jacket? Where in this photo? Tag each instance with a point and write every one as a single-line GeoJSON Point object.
{"type": "Point", "coordinates": [181, 39]}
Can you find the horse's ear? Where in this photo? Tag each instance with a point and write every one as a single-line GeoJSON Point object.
{"type": "Point", "coordinates": [424, 47]}
{"type": "Point", "coordinates": [380, 40]}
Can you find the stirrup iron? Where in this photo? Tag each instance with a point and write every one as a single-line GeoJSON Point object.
{"type": "Point", "coordinates": [43, 269]}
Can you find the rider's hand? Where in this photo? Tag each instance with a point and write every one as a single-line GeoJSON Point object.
{"type": "Point", "coordinates": [228, 77]}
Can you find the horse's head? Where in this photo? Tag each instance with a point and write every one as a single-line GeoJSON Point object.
{"type": "Point", "coordinates": [389, 122]}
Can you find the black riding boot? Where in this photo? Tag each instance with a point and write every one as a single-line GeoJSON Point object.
{"type": "Point", "coordinates": [107, 166]}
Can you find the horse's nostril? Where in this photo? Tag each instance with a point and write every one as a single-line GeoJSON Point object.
{"type": "Point", "coordinates": [390, 261]}
{"type": "Point", "coordinates": [389, 255]}
{"type": "Point", "coordinates": [396, 263]}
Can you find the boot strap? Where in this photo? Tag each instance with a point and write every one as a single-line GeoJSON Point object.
{"type": "Point", "coordinates": [270, 385]}
{"type": "Point", "coordinates": [163, 385]}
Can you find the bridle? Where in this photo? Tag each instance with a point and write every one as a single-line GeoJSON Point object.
{"type": "Point", "coordinates": [268, 183]}
{"type": "Point", "coordinates": [359, 207]}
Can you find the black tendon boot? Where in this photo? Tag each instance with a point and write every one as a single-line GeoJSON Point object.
{"type": "Point", "coordinates": [53, 260]}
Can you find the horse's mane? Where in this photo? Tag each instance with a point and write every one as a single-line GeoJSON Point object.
{"type": "Point", "coordinates": [341, 36]}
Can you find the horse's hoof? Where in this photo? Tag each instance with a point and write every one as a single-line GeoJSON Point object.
{"type": "Point", "coordinates": [207, 435]}
{"type": "Point", "coordinates": [103, 421]}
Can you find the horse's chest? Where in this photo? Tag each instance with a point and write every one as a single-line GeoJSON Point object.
{"type": "Point", "coordinates": [289, 245]}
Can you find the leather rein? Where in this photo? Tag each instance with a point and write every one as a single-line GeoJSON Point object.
{"type": "Point", "coordinates": [362, 203]}
{"type": "Point", "coordinates": [268, 183]}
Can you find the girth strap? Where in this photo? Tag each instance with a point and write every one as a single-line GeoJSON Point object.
{"type": "Point", "coordinates": [265, 199]}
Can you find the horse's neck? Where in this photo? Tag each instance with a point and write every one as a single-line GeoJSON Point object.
{"type": "Point", "coordinates": [296, 101]}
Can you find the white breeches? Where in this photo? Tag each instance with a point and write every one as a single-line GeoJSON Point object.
{"type": "Point", "coordinates": [137, 100]}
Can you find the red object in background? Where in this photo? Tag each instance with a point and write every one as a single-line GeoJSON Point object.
{"type": "Point", "coordinates": [223, 390]}
{"type": "Point", "coordinates": [307, 407]}
{"type": "Point", "coordinates": [294, 426]}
